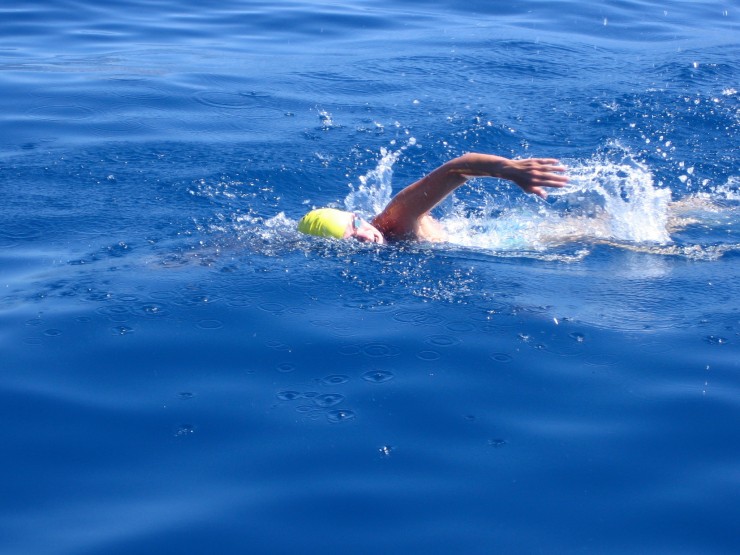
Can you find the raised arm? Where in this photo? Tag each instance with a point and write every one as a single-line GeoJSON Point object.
{"type": "Point", "coordinates": [402, 216]}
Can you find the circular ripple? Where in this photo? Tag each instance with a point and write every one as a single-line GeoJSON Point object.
{"type": "Point", "coordinates": [340, 415]}
{"type": "Point", "coordinates": [277, 345]}
{"type": "Point", "coordinates": [378, 376]}
{"type": "Point", "coordinates": [335, 379]}
{"type": "Point", "coordinates": [379, 350]}
{"type": "Point", "coordinates": [289, 395]}
{"type": "Point", "coordinates": [416, 317]}
{"type": "Point", "coordinates": [229, 100]}
{"type": "Point", "coordinates": [272, 308]}
{"type": "Point", "coordinates": [460, 326]}
{"type": "Point", "coordinates": [116, 312]}
{"type": "Point", "coordinates": [60, 112]}
{"type": "Point", "coordinates": [428, 355]}
{"type": "Point", "coordinates": [53, 332]}
{"type": "Point", "coordinates": [210, 324]}
{"type": "Point", "coordinates": [501, 357]}
{"type": "Point", "coordinates": [443, 340]}
{"type": "Point", "coordinates": [285, 367]}
{"type": "Point", "coordinates": [328, 400]}
{"type": "Point", "coordinates": [350, 350]}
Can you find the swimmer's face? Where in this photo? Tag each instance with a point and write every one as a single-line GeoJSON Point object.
{"type": "Point", "coordinates": [363, 231]}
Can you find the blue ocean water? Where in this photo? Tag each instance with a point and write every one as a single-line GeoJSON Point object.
{"type": "Point", "coordinates": [182, 372]}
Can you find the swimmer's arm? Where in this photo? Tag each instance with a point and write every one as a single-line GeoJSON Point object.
{"type": "Point", "coordinates": [402, 215]}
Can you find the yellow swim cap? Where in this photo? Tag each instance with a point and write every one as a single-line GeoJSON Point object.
{"type": "Point", "coordinates": [325, 222]}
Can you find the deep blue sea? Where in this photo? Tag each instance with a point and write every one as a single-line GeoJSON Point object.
{"type": "Point", "coordinates": [182, 372]}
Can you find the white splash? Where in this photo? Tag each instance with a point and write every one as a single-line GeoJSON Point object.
{"type": "Point", "coordinates": [374, 191]}
{"type": "Point", "coordinates": [604, 202]}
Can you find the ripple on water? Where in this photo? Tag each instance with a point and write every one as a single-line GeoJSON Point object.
{"type": "Point", "coordinates": [278, 345]}
{"type": "Point", "coordinates": [428, 355]}
{"type": "Point", "coordinates": [289, 395]}
{"type": "Point", "coordinates": [60, 112]}
{"type": "Point", "coordinates": [443, 340]}
{"type": "Point", "coordinates": [153, 310]}
{"type": "Point", "coordinates": [380, 350]}
{"type": "Point", "coordinates": [417, 317]}
{"type": "Point", "coordinates": [501, 357]}
{"type": "Point", "coordinates": [210, 324]}
{"type": "Point", "coordinates": [460, 326]}
{"type": "Point", "coordinates": [115, 312]}
{"type": "Point", "coordinates": [378, 376]}
{"type": "Point", "coordinates": [273, 308]}
{"type": "Point", "coordinates": [231, 100]}
{"type": "Point", "coordinates": [328, 400]}
{"type": "Point", "coordinates": [340, 415]}
{"type": "Point", "coordinates": [335, 379]}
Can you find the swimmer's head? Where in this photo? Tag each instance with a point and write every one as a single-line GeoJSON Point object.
{"type": "Point", "coordinates": [330, 222]}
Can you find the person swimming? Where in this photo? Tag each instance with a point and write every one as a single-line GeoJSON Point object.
{"type": "Point", "coordinates": [407, 215]}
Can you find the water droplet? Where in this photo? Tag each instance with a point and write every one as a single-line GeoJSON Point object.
{"type": "Point", "coordinates": [328, 400]}
{"type": "Point", "coordinates": [716, 340]}
{"type": "Point", "coordinates": [339, 415]}
{"type": "Point", "coordinates": [185, 395]}
{"type": "Point", "coordinates": [577, 336]}
{"type": "Point", "coordinates": [184, 430]}
{"type": "Point", "coordinates": [497, 442]}
{"type": "Point", "coordinates": [378, 376]}
{"type": "Point", "coordinates": [122, 330]}
{"type": "Point", "coordinates": [385, 451]}
{"type": "Point", "coordinates": [153, 310]}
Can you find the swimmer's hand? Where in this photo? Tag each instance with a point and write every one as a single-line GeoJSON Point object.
{"type": "Point", "coordinates": [534, 174]}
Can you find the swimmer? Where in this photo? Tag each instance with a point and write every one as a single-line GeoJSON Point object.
{"type": "Point", "coordinates": [407, 214]}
